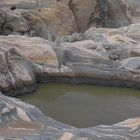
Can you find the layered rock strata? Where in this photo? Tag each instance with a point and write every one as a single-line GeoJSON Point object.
{"type": "Point", "coordinates": [39, 43]}
{"type": "Point", "coordinates": [99, 56]}
{"type": "Point", "coordinates": [25, 122]}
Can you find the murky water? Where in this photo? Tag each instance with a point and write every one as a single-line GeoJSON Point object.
{"type": "Point", "coordinates": [85, 105]}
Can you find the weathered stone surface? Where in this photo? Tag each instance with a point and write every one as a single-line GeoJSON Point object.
{"type": "Point", "coordinates": [15, 72]}
{"type": "Point", "coordinates": [18, 54]}
{"type": "Point", "coordinates": [132, 31]}
{"type": "Point", "coordinates": [100, 56]}
{"type": "Point", "coordinates": [97, 59]}
{"type": "Point", "coordinates": [100, 13]}
{"type": "Point", "coordinates": [27, 4]}
{"type": "Point", "coordinates": [47, 18]}
{"type": "Point", "coordinates": [23, 4]}
{"type": "Point", "coordinates": [23, 121]}
{"type": "Point", "coordinates": [55, 20]}
{"type": "Point", "coordinates": [135, 10]}
{"type": "Point", "coordinates": [132, 63]}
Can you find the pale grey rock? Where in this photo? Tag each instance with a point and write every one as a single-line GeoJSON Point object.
{"type": "Point", "coordinates": [132, 31]}
{"type": "Point", "coordinates": [132, 63]}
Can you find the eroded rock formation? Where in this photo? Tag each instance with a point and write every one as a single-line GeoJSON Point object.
{"type": "Point", "coordinates": [49, 19]}
{"type": "Point", "coordinates": [97, 58]}
{"type": "Point", "coordinates": [39, 43]}
{"type": "Point", "coordinates": [100, 13]}
{"type": "Point", "coordinates": [23, 121]}
{"type": "Point", "coordinates": [48, 23]}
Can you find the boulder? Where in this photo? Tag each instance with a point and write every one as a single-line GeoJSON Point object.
{"type": "Point", "coordinates": [16, 75]}
{"type": "Point", "coordinates": [18, 59]}
{"type": "Point", "coordinates": [46, 18]}
{"type": "Point", "coordinates": [100, 13]}
{"type": "Point", "coordinates": [55, 20]}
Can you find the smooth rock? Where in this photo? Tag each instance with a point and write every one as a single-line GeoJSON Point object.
{"type": "Point", "coordinates": [34, 125]}
{"type": "Point", "coordinates": [88, 61]}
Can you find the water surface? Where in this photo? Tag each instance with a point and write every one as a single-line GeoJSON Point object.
{"type": "Point", "coordinates": [85, 105]}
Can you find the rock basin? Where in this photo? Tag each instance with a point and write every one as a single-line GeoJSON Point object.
{"type": "Point", "coordinates": [85, 105]}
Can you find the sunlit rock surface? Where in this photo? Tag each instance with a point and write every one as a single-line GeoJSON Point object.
{"type": "Point", "coordinates": [97, 58]}
{"type": "Point", "coordinates": [46, 22]}
{"type": "Point", "coordinates": [40, 42]}
{"type": "Point", "coordinates": [52, 18]}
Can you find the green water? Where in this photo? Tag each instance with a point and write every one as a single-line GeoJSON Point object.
{"type": "Point", "coordinates": [85, 105]}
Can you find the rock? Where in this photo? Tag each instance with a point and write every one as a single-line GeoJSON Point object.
{"type": "Point", "coordinates": [100, 13]}
{"type": "Point", "coordinates": [135, 10]}
{"type": "Point", "coordinates": [33, 49]}
{"type": "Point", "coordinates": [57, 20]}
{"type": "Point", "coordinates": [107, 13]}
{"type": "Point", "coordinates": [82, 11]}
{"type": "Point", "coordinates": [86, 61]}
{"type": "Point", "coordinates": [13, 23]}
{"type": "Point", "coordinates": [16, 75]}
{"type": "Point", "coordinates": [18, 59]}
{"type": "Point", "coordinates": [23, 4]}
{"type": "Point", "coordinates": [48, 23]}
{"type": "Point", "coordinates": [69, 38]}
{"type": "Point", "coordinates": [132, 63]}
{"type": "Point", "coordinates": [135, 52]}
{"type": "Point", "coordinates": [100, 56]}
{"type": "Point", "coordinates": [118, 43]}
{"type": "Point", "coordinates": [23, 121]}
{"type": "Point", "coordinates": [46, 18]}
{"type": "Point", "coordinates": [132, 31]}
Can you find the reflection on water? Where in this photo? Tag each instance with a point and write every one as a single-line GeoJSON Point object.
{"type": "Point", "coordinates": [85, 105]}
